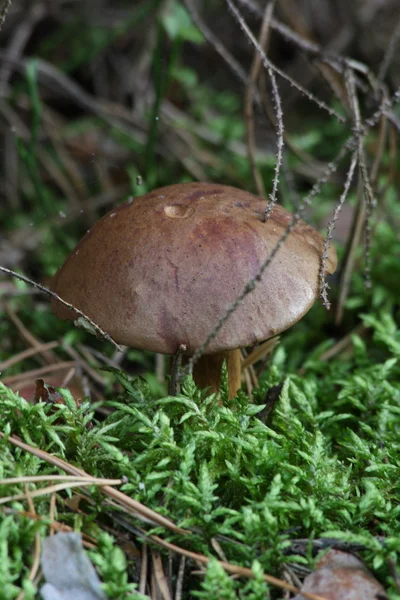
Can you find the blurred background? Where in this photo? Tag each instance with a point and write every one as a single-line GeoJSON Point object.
{"type": "Point", "coordinates": [101, 100]}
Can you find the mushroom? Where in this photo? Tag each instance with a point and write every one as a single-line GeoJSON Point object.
{"type": "Point", "coordinates": [159, 272]}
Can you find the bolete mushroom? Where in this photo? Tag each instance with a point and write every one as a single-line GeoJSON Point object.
{"type": "Point", "coordinates": [160, 271]}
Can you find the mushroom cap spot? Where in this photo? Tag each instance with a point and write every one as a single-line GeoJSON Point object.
{"type": "Point", "coordinates": [163, 271]}
{"type": "Point", "coordinates": [177, 211]}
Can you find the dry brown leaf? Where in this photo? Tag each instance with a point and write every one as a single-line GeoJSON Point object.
{"type": "Point", "coordinates": [342, 576]}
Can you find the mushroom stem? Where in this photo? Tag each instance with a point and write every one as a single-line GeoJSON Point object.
{"type": "Point", "coordinates": [234, 363]}
{"type": "Point", "coordinates": [207, 371]}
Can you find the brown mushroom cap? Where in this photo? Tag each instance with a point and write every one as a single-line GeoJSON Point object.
{"type": "Point", "coordinates": [162, 270]}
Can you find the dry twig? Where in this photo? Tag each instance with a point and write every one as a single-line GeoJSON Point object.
{"type": "Point", "coordinates": [269, 65]}
{"type": "Point", "coordinates": [370, 201]}
{"type": "Point", "coordinates": [229, 568]}
{"type": "Point", "coordinates": [322, 271]}
{"type": "Point", "coordinates": [55, 296]}
{"type": "Point", "coordinates": [251, 86]}
{"type": "Point", "coordinates": [37, 547]}
{"type": "Point", "coordinates": [13, 360]}
{"type": "Point", "coordinates": [141, 511]}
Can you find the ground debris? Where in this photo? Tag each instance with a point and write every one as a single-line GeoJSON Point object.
{"type": "Point", "coordinates": [342, 576]}
{"type": "Point", "coordinates": [68, 572]}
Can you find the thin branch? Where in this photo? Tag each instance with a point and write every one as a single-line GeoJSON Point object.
{"type": "Point", "coordinates": [159, 575]}
{"type": "Point", "coordinates": [322, 271]}
{"type": "Point", "coordinates": [394, 120]}
{"type": "Point", "coordinates": [21, 378]}
{"type": "Point", "coordinates": [278, 113]}
{"type": "Point", "coordinates": [357, 226]}
{"type": "Point", "coordinates": [59, 487]}
{"type": "Point", "coordinates": [369, 195]}
{"type": "Point", "coordinates": [55, 296]}
{"type": "Point", "coordinates": [386, 104]}
{"type": "Point", "coordinates": [38, 478]}
{"type": "Point", "coordinates": [343, 344]}
{"type": "Point", "coordinates": [335, 60]}
{"type": "Point", "coordinates": [234, 569]}
{"type": "Point", "coordinates": [18, 41]}
{"type": "Point", "coordinates": [37, 547]}
{"type": "Point", "coordinates": [143, 569]}
{"type": "Point", "coordinates": [248, 103]}
{"type": "Point", "coordinates": [52, 513]}
{"type": "Point", "coordinates": [268, 64]}
{"type": "Point", "coordinates": [201, 559]}
{"type": "Point", "coordinates": [260, 352]}
{"type": "Point", "coordinates": [179, 581]}
{"type": "Point", "coordinates": [279, 155]}
{"type": "Point", "coordinates": [140, 510]}
{"type": "Point", "coordinates": [13, 360]}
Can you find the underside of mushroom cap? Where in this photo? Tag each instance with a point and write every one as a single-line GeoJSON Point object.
{"type": "Point", "coordinates": [162, 270]}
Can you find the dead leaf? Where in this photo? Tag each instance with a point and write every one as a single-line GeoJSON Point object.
{"type": "Point", "coordinates": [342, 576]}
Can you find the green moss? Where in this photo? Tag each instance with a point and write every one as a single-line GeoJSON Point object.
{"type": "Point", "coordinates": [326, 464]}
